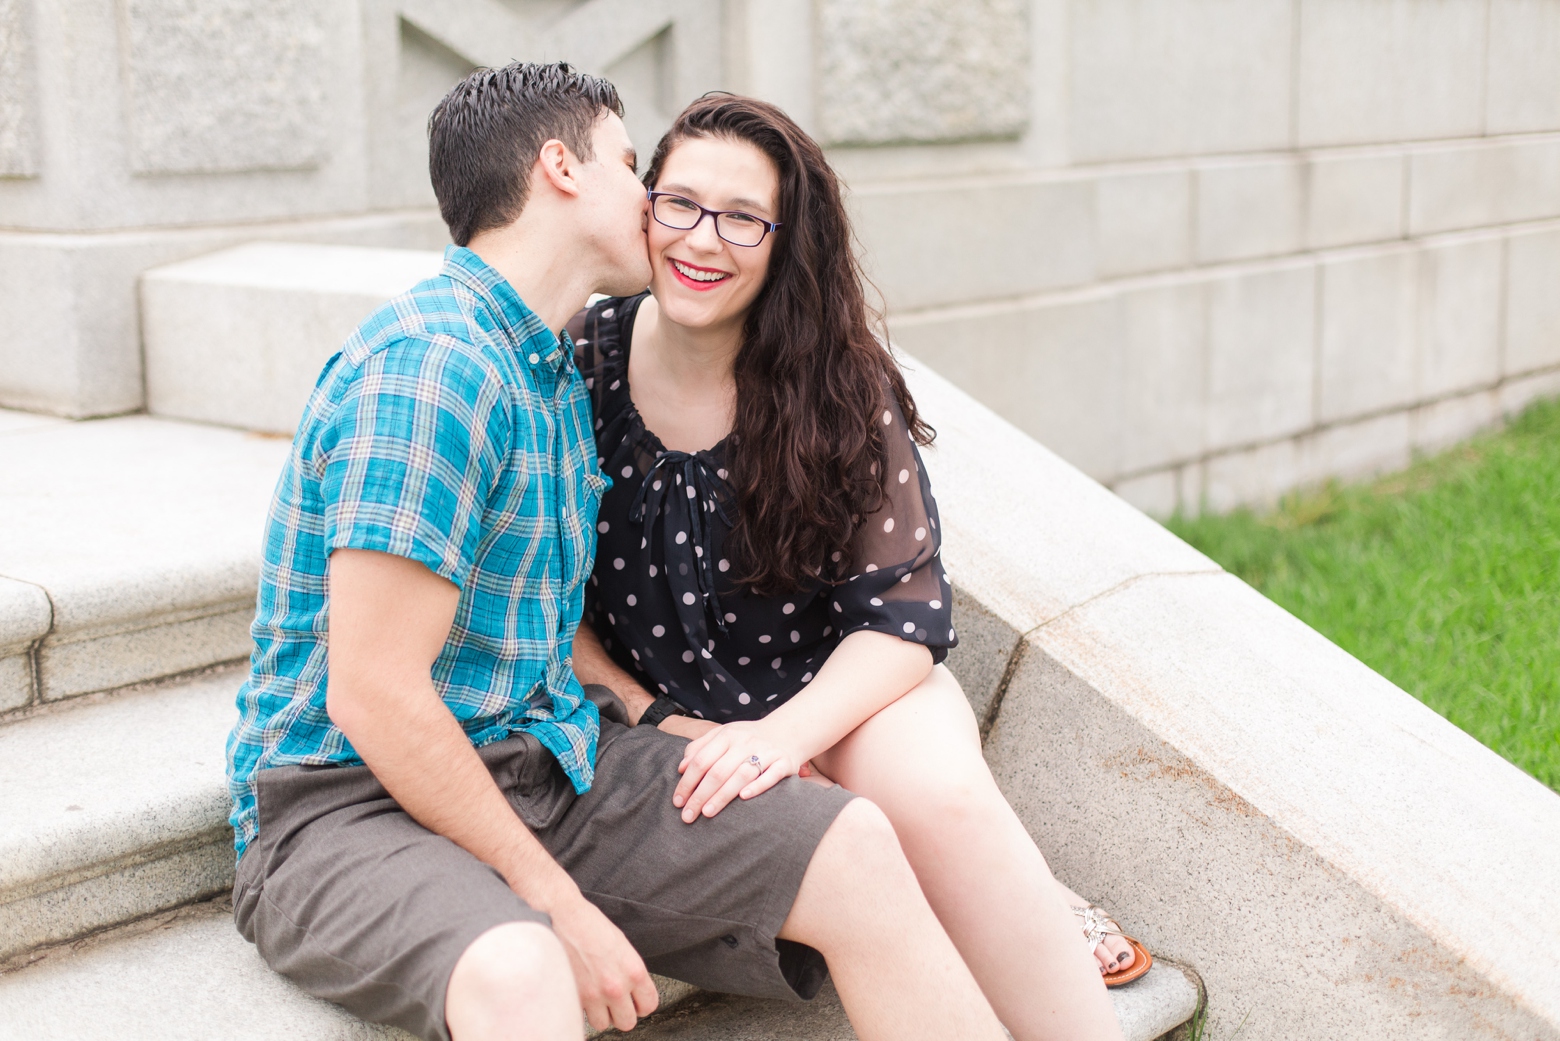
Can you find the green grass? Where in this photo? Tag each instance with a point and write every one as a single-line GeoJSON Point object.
{"type": "Point", "coordinates": [1444, 578]}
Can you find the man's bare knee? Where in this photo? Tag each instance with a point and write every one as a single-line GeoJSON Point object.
{"type": "Point", "coordinates": [513, 974]}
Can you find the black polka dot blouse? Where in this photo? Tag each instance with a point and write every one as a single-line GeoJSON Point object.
{"type": "Point", "coordinates": [663, 596]}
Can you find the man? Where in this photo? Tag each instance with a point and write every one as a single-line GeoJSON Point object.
{"type": "Point", "coordinates": [435, 827]}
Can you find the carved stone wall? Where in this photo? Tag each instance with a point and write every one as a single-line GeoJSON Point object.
{"type": "Point", "coordinates": [225, 85]}
{"type": "Point", "coordinates": [18, 135]}
{"type": "Point", "coordinates": [921, 70]}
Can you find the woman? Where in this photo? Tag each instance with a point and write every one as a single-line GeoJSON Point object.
{"type": "Point", "coordinates": [767, 580]}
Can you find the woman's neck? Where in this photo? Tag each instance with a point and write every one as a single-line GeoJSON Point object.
{"type": "Point", "coordinates": [681, 379]}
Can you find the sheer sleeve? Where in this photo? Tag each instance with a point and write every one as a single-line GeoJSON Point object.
{"type": "Point", "coordinates": [895, 582]}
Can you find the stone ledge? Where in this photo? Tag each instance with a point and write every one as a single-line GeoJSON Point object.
{"type": "Point", "coordinates": [1252, 800]}
{"type": "Point", "coordinates": [238, 337]}
{"type": "Point", "coordinates": [113, 810]}
{"type": "Point", "coordinates": [25, 617]}
{"type": "Point", "coordinates": [145, 536]}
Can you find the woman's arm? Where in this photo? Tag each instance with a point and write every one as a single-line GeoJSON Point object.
{"type": "Point", "coordinates": [592, 664]}
{"type": "Point", "coordinates": [866, 672]}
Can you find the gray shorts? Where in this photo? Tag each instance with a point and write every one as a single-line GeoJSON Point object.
{"type": "Point", "coordinates": [357, 903]}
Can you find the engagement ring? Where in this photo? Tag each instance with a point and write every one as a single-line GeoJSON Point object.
{"type": "Point", "coordinates": [754, 760]}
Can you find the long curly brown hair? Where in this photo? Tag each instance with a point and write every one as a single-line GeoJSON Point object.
{"type": "Point", "coordinates": [811, 376]}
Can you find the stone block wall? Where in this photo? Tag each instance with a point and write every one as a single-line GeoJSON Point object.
{"type": "Point", "coordinates": [1206, 249]}
{"type": "Point", "coordinates": [1239, 245]}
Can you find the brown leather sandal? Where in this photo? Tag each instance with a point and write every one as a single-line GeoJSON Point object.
{"type": "Point", "coordinates": [1096, 926]}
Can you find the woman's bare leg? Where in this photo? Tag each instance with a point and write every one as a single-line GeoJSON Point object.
{"type": "Point", "coordinates": [920, 761]}
{"type": "Point", "coordinates": [898, 976]}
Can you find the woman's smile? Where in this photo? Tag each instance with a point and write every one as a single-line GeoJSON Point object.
{"type": "Point", "coordinates": [699, 279]}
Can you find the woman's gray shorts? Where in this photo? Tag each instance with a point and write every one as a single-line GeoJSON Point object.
{"type": "Point", "coordinates": [357, 903]}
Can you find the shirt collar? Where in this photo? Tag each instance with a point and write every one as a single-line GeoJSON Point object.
{"type": "Point", "coordinates": [527, 333]}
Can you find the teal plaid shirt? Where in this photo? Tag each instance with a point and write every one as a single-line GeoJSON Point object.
{"type": "Point", "coordinates": [451, 429]}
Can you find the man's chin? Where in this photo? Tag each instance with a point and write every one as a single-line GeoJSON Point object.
{"type": "Point", "coordinates": [627, 282]}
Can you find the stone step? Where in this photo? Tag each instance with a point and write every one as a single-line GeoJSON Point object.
{"type": "Point", "coordinates": [112, 808]}
{"type": "Point", "coordinates": [237, 337]}
{"type": "Point", "coordinates": [191, 977]}
{"type": "Point", "coordinates": [130, 550]}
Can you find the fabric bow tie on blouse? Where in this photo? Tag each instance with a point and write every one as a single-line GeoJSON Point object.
{"type": "Point", "coordinates": [683, 488]}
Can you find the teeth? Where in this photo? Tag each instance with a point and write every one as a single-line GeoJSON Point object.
{"type": "Point", "coordinates": [699, 276]}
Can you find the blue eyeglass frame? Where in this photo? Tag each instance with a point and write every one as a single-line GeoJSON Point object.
{"type": "Point", "coordinates": [704, 211]}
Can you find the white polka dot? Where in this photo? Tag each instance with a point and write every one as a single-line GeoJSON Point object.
{"type": "Point", "coordinates": [687, 656]}
{"type": "Point", "coordinates": [656, 485]}
{"type": "Point", "coordinates": [806, 677]}
{"type": "Point", "coordinates": [775, 664]}
{"type": "Point", "coordinates": [688, 598]}
{"type": "Point", "coordinates": [580, 343]}
{"type": "Point", "coordinates": [590, 383]}
{"type": "Point", "coordinates": [935, 605]}
{"type": "Point", "coordinates": [608, 312]}
{"type": "Point", "coordinates": [904, 475]}
{"type": "Point", "coordinates": [724, 565]}
{"type": "Point", "coordinates": [743, 660]}
{"type": "Point", "coordinates": [603, 527]}
{"type": "Point", "coordinates": [796, 637]}
{"type": "Point", "coordinates": [617, 562]}
{"type": "Point", "coordinates": [721, 474]}
{"type": "Point", "coordinates": [634, 653]}
{"type": "Point", "coordinates": [632, 600]}
{"type": "Point", "coordinates": [615, 384]}
{"type": "Point", "coordinates": [909, 627]}
{"type": "Point", "coordinates": [643, 543]}
{"type": "Point", "coordinates": [875, 602]}
{"type": "Point", "coordinates": [705, 654]}
{"type": "Point", "coordinates": [835, 556]}
{"type": "Point", "coordinates": [692, 493]}
{"type": "Point", "coordinates": [659, 630]}
{"type": "Point", "coordinates": [652, 570]}
{"type": "Point", "coordinates": [788, 608]}
{"type": "Point", "coordinates": [730, 617]}
{"type": "Point", "coordinates": [920, 533]}
{"type": "Point", "coordinates": [610, 619]}
{"type": "Point", "coordinates": [828, 629]}
{"type": "Point", "coordinates": [698, 551]}
{"type": "Point", "coordinates": [871, 568]}
{"type": "Point", "coordinates": [535, 357]}
{"type": "Point", "coordinates": [682, 536]}
{"type": "Point", "coordinates": [764, 638]}
{"type": "Point", "coordinates": [663, 688]}
{"type": "Point", "coordinates": [628, 471]}
{"type": "Point", "coordinates": [950, 634]}
{"type": "Point", "coordinates": [888, 417]}
{"type": "Point", "coordinates": [888, 525]}
{"type": "Point", "coordinates": [837, 606]}
{"type": "Point", "coordinates": [907, 578]}
{"type": "Point", "coordinates": [743, 698]}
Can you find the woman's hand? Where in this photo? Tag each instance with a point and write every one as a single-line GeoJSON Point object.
{"type": "Point", "coordinates": [718, 767]}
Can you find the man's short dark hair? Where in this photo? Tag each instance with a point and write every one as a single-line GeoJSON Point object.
{"type": "Point", "coordinates": [484, 137]}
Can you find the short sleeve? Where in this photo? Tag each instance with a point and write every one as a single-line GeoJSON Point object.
{"type": "Point", "coordinates": [410, 455]}
{"type": "Point", "coordinates": [895, 581]}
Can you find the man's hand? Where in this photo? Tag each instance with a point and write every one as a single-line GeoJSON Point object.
{"type": "Point", "coordinates": [615, 988]}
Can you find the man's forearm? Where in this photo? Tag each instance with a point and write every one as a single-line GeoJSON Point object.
{"type": "Point", "coordinates": [592, 664]}
{"type": "Point", "coordinates": [419, 753]}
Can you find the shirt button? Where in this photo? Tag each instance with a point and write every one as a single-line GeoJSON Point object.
{"type": "Point", "coordinates": [535, 358]}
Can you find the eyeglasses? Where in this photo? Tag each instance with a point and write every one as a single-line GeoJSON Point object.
{"type": "Point", "coordinates": [736, 227]}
